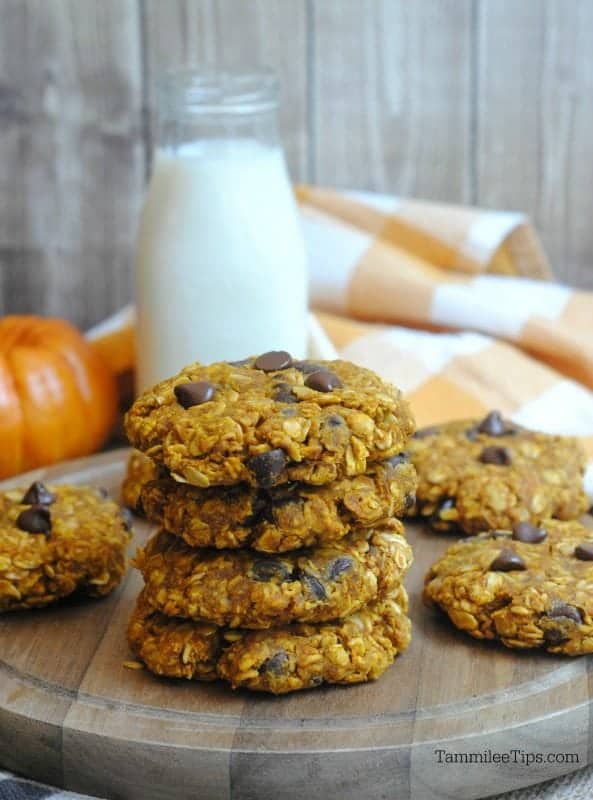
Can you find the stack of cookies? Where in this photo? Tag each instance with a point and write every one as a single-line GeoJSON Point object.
{"type": "Point", "coordinates": [276, 485]}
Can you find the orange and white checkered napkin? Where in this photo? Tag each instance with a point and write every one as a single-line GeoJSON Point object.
{"type": "Point", "coordinates": [454, 305]}
{"type": "Point", "coordinates": [458, 309]}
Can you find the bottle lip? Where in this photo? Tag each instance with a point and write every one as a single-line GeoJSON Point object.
{"type": "Point", "coordinates": [246, 89]}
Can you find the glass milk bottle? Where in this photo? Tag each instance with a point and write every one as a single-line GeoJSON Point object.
{"type": "Point", "coordinates": [220, 261]}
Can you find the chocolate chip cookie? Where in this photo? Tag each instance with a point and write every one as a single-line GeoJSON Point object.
{"type": "Point", "coordinates": [58, 540]}
{"type": "Point", "coordinates": [140, 470]}
{"type": "Point", "coordinates": [240, 588]}
{"type": "Point", "coordinates": [174, 647]}
{"type": "Point", "coordinates": [281, 518]}
{"type": "Point", "coordinates": [477, 475]}
{"type": "Point", "coordinates": [527, 587]}
{"type": "Point", "coordinates": [356, 649]}
{"type": "Point", "coordinates": [270, 420]}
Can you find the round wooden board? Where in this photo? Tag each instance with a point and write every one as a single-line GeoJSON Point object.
{"type": "Point", "coordinates": [72, 715]}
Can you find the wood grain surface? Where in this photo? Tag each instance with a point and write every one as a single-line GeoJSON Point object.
{"type": "Point", "coordinates": [71, 714]}
{"type": "Point", "coordinates": [534, 122]}
{"type": "Point", "coordinates": [390, 97]}
{"type": "Point", "coordinates": [469, 101]}
{"type": "Point", "coordinates": [71, 155]}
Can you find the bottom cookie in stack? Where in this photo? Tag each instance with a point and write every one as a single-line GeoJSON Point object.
{"type": "Point", "coordinates": [333, 614]}
{"type": "Point", "coordinates": [355, 649]}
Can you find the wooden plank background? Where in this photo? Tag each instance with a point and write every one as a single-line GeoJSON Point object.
{"type": "Point", "coordinates": [472, 101]}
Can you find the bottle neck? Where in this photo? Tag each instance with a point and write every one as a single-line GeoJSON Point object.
{"type": "Point", "coordinates": [185, 129]}
{"type": "Point", "coordinates": [225, 106]}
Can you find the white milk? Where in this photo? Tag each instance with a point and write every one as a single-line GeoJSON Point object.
{"type": "Point", "coordinates": [220, 261]}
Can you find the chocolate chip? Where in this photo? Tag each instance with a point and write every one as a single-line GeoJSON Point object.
{"type": "Point", "coordinates": [323, 381]}
{"type": "Point", "coordinates": [338, 566]}
{"type": "Point", "coordinates": [103, 493]}
{"type": "Point", "coordinates": [267, 467]}
{"type": "Point", "coordinates": [35, 520]}
{"type": "Point", "coordinates": [435, 518]}
{"type": "Point", "coordinates": [273, 361]}
{"type": "Point", "coordinates": [283, 393]}
{"type": "Point", "coordinates": [409, 500]}
{"type": "Point", "coordinates": [424, 433]}
{"type": "Point", "coordinates": [260, 510]}
{"type": "Point", "coordinates": [566, 611]}
{"type": "Point", "coordinates": [400, 458]}
{"type": "Point", "coordinates": [448, 502]}
{"type": "Point", "coordinates": [526, 532]}
{"type": "Point", "coordinates": [38, 495]}
{"type": "Point", "coordinates": [313, 584]}
{"type": "Point", "coordinates": [194, 393]}
{"type": "Point", "coordinates": [584, 552]}
{"type": "Point", "coordinates": [496, 455]}
{"type": "Point", "coordinates": [493, 424]}
{"type": "Point", "coordinates": [562, 612]}
{"type": "Point", "coordinates": [266, 569]}
{"type": "Point", "coordinates": [555, 635]}
{"type": "Point", "coordinates": [307, 367]}
{"type": "Point", "coordinates": [334, 421]}
{"type": "Point", "coordinates": [283, 396]}
{"type": "Point", "coordinates": [276, 664]}
{"type": "Point", "coordinates": [507, 561]}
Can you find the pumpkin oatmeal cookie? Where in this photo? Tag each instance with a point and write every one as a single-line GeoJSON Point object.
{"type": "Point", "coordinates": [269, 420]}
{"type": "Point", "coordinates": [356, 649]}
{"type": "Point", "coordinates": [140, 470]}
{"type": "Point", "coordinates": [478, 475]}
{"type": "Point", "coordinates": [174, 647]}
{"type": "Point", "coordinates": [239, 588]}
{"type": "Point", "coordinates": [529, 587]}
{"type": "Point", "coordinates": [281, 518]}
{"type": "Point", "coordinates": [57, 540]}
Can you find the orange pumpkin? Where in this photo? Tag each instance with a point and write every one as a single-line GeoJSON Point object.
{"type": "Point", "coordinates": [58, 398]}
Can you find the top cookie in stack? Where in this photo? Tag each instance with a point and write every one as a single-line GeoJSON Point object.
{"type": "Point", "coordinates": [270, 420]}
